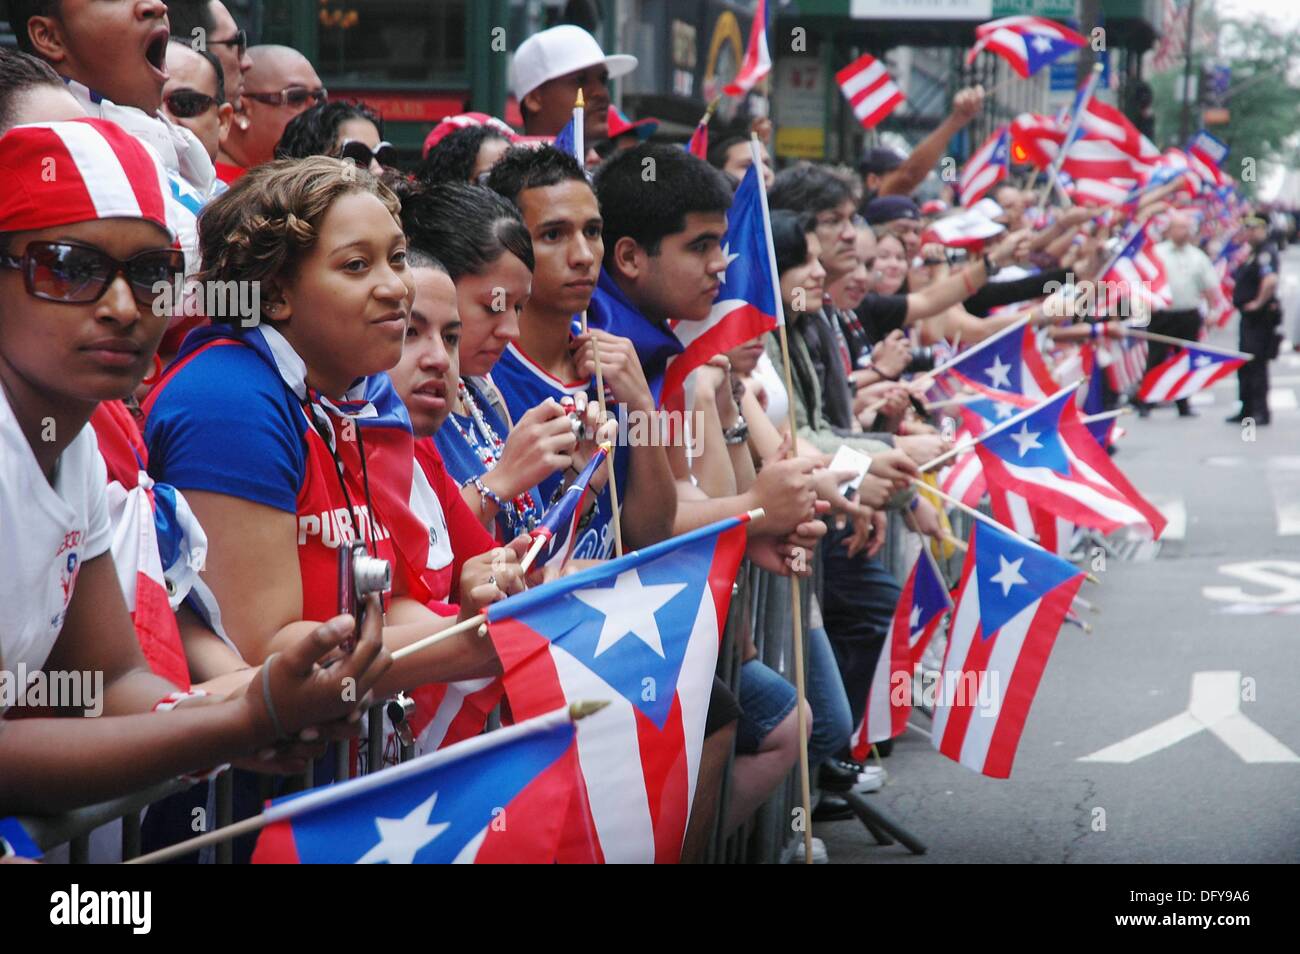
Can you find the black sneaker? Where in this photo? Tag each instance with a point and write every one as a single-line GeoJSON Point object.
{"type": "Point", "coordinates": [832, 808]}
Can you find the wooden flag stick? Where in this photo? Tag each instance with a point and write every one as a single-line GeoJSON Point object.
{"type": "Point", "coordinates": [1180, 342]}
{"type": "Point", "coordinates": [1105, 415]}
{"type": "Point", "coordinates": [573, 713]}
{"type": "Point", "coordinates": [985, 518]}
{"type": "Point", "coordinates": [796, 615]}
{"type": "Point", "coordinates": [609, 460]}
{"type": "Point", "coordinates": [1052, 182]}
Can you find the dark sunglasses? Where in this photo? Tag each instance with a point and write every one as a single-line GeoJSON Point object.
{"type": "Point", "coordinates": [79, 274]}
{"type": "Point", "coordinates": [188, 103]}
{"type": "Point", "coordinates": [384, 153]}
{"type": "Point", "coordinates": [239, 41]}
{"type": "Point", "coordinates": [293, 96]}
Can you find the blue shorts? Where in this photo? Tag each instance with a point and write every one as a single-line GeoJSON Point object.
{"type": "Point", "coordinates": [766, 697]}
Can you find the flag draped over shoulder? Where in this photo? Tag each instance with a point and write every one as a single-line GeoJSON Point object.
{"type": "Point", "coordinates": [642, 631]}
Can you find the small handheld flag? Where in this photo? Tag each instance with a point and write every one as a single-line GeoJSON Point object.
{"type": "Point", "coordinates": [559, 525]}
{"type": "Point", "coordinates": [1027, 43]}
{"type": "Point", "coordinates": [867, 86]}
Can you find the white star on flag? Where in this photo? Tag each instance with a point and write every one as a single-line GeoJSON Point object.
{"type": "Point", "coordinates": [730, 256]}
{"type": "Point", "coordinates": [1004, 411]}
{"type": "Point", "coordinates": [1042, 44]}
{"type": "Point", "coordinates": [1201, 360]}
{"type": "Point", "coordinates": [1026, 440]}
{"type": "Point", "coordinates": [999, 373]}
{"type": "Point", "coordinates": [401, 839]}
{"type": "Point", "coordinates": [914, 620]}
{"type": "Point", "coordinates": [1008, 574]}
{"type": "Point", "coordinates": [629, 607]}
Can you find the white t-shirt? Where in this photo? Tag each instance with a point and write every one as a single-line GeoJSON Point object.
{"type": "Point", "coordinates": [778, 402]}
{"type": "Point", "coordinates": [46, 534]}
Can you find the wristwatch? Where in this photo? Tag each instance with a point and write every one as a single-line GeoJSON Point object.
{"type": "Point", "coordinates": [737, 433]}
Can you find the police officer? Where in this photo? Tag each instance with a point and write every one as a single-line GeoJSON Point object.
{"type": "Point", "coordinates": [1261, 313]}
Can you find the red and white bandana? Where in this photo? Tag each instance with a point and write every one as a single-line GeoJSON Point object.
{"type": "Point", "coordinates": [79, 171]}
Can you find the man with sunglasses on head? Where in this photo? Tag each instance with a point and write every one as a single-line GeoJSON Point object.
{"type": "Point", "coordinates": [194, 96]}
{"type": "Point", "coordinates": [280, 84]}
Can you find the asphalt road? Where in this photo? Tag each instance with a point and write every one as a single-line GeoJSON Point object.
{"type": "Point", "coordinates": [1220, 598]}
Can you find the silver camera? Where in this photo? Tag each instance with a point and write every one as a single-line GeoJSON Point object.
{"type": "Point", "coordinates": [360, 574]}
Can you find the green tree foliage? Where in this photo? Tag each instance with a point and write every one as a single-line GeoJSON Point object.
{"type": "Point", "coordinates": [1263, 99]}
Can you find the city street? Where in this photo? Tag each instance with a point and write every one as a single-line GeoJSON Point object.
{"type": "Point", "coordinates": [1171, 733]}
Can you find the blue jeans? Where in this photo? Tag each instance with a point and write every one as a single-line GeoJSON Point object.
{"type": "Point", "coordinates": [832, 720]}
{"type": "Point", "coordinates": [766, 697]}
{"type": "Point", "coordinates": [858, 600]}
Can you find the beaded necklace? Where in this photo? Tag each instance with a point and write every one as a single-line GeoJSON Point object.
{"type": "Point", "coordinates": [520, 512]}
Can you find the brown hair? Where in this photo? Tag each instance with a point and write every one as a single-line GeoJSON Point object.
{"type": "Point", "coordinates": [260, 229]}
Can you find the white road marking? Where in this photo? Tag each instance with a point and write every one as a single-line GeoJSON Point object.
{"type": "Point", "coordinates": [1215, 705]}
{"type": "Point", "coordinates": [1282, 399]}
{"type": "Point", "coordinates": [1282, 577]}
{"type": "Point", "coordinates": [1283, 476]}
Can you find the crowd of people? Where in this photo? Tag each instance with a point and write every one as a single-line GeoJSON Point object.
{"type": "Point", "coordinates": [396, 360]}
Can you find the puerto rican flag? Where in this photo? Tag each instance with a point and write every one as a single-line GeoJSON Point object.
{"type": "Point", "coordinates": [496, 798]}
{"type": "Point", "coordinates": [967, 228]}
{"type": "Point", "coordinates": [920, 610]}
{"type": "Point", "coordinates": [1185, 372]}
{"type": "Point", "coordinates": [1039, 137]}
{"type": "Point", "coordinates": [1027, 43]}
{"type": "Point", "coordinates": [758, 61]}
{"type": "Point", "coordinates": [1101, 192]}
{"type": "Point", "coordinates": [1047, 455]}
{"type": "Point", "coordinates": [1141, 271]}
{"type": "Point", "coordinates": [747, 305]}
{"type": "Point", "coordinates": [964, 479]}
{"type": "Point", "coordinates": [1127, 364]}
{"type": "Point", "coordinates": [865, 83]}
{"type": "Point", "coordinates": [643, 632]}
{"type": "Point", "coordinates": [987, 167]}
{"type": "Point", "coordinates": [559, 525]}
{"type": "Point", "coordinates": [1010, 361]}
{"type": "Point", "coordinates": [1054, 534]}
{"type": "Point", "coordinates": [1206, 155]}
{"type": "Point", "coordinates": [1093, 400]}
{"type": "Point", "coordinates": [1011, 602]}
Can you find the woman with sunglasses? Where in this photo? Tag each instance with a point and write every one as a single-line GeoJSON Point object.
{"type": "Point", "coordinates": [346, 130]}
{"type": "Point", "coordinates": [77, 273]}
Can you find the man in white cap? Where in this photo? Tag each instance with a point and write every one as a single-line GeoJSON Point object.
{"type": "Point", "coordinates": [549, 69]}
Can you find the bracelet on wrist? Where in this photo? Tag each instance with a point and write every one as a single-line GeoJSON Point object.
{"type": "Point", "coordinates": [485, 494]}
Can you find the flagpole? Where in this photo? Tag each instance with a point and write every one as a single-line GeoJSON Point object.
{"type": "Point", "coordinates": [609, 460]}
{"type": "Point", "coordinates": [572, 713]}
{"type": "Point", "coordinates": [985, 518]}
{"type": "Point", "coordinates": [1088, 89]}
{"type": "Point", "coordinates": [796, 596]}
{"type": "Point", "coordinates": [998, 428]}
{"type": "Point", "coordinates": [1181, 342]}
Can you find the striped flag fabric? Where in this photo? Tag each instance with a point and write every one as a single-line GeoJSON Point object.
{"type": "Point", "coordinates": [1046, 455]}
{"type": "Point", "coordinates": [919, 612]}
{"type": "Point", "coordinates": [1127, 364]}
{"type": "Point", "coordinates": [643, 632]}
{"type": "Point", "coordinates": [1010, 605]}
{"type": "Point", "coordinates": [747, 305]}
{"type": "Point", "coordinates": [1051, 532]}
{"type": "Point", "coordinates": [1139, 270]}
{"type": "Point", "coordinates": [987, 167]}
{"type": "Point", "coordinates": [1185, 372]}
{"type": "Point", "coordinates": [758, 60]}
{"type": "Point", "coordinates": [1039, 137]}
{"type": "Point", "coordinates": [1008, 362]}
{"type": "Point", "coordinates": [867, 86]}
{"type": "Point", "coordinates": [559, 525]}
{"type": "Point", "coordinates": [1027, 43]}
{"type": "Point", "coordinates": [966, 228]}
{"type": "Point", "coordinates": [496, 798]}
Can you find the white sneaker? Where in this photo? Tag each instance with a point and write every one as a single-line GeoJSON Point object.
{"type": "Point", "coordinates": [870, 779]}
{"type": "Point", "coordinates": [793, 854]}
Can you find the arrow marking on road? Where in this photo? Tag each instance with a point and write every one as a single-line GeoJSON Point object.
{"type": "Point", "coordinates": [1215, 706]}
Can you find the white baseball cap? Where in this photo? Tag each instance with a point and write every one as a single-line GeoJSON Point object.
{"type": "Point", "coordinates": [559, 51]}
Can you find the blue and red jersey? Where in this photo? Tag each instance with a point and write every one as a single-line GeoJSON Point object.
{"type": "Point", "coordinates": [224, 420]}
